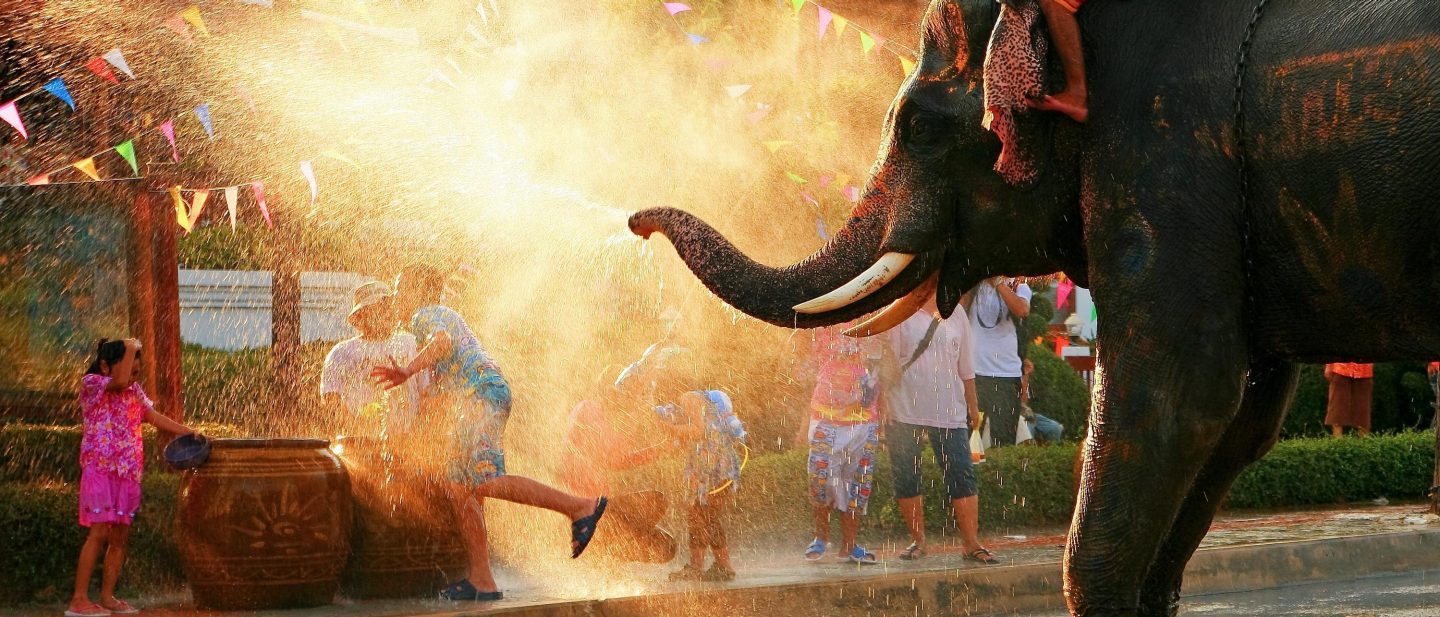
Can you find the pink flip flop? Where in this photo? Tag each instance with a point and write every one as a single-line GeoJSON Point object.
{"type": "Point", "coordinates": [94, 610]}
{"type": "Point", "coordinates": [121, 608]}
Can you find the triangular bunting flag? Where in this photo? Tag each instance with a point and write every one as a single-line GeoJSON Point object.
{"type": "Point", "coordinates": [99, 67]}
{"type": "Point", "coordinates": [867, 42]}
{"type": "Point", "coordinates": [177, 23]}
{"type": "Point", "coordinates": [117, 60]}
{"type": "Point", "coordinates": [87, 167]}
{"type": "Point", "coordinates": [880, 41]}
{"type": "Point", "coordinates": [38, 180]}
{"type": "Point", "coordinates": [232, 194]}
{"type": "Point", "coordinates": [820, 230]}
{"type": "Point", "coordinates": [192, 15]}
{"type": "Point", "coordinates": [340, 157]}
{"type": "Point", "coordinates": [245, 94]}
{"type": "Point", "coordinates": [11, 114]}
{"type": "Point", "coordinates": [841, 179]}
{"type": "Point", "coordinates": [716, 64]}
{"type": "Point", "coordinates": [906, 65]}
{"type": "Point", "coordinates": [57, 88]}
{"type": "Point", "coordinates": [127, 152]}
{"type": "Point", "coordinates": [202, 111]}
{"type": "Point", "coordinates": [851, 193]}
{"type": "Point", "coordinates": [167, 128]}
{"type": "Point", "coordinates": [676, 7]}
{"type": "Point", "coordinates": [265, 3]}
{"type": "Point", "coordinates": [824, 180]}
{"type": "Point", "coordinates": [258, 189]}
{"type": "Point", "coordinates": [808, 199]}
{"type": "Point", "coordinates": [840, 23]}
{"type": "Point", "coordinates": [696, 39]}
{"type": "Point", "coordinates": [180, 215]}
{"type": "Point", "coordinates": [756, 116]}
{"type": "Point", "coordinates": [1093, 314]}
{"type": "Point", "coordinates": [309, 172]}
{"type": "Point", "coordinates": [825, 17]}
{"type": "Point", "coordinates": [737, 90]}
{"type": "Point", "coordinates": [775, 146]}
{"type": "Point", "coordinates": [197, 205]}
{"type": "Point", "coordinates": [1062, 292]}
{"type": "Point", "coordinates": [794, 177]}
{"type": "Point", "coordinates": [796, 5]}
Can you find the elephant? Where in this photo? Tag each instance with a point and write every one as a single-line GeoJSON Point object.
{"type": "Point", "coordinates": [1251, 192]}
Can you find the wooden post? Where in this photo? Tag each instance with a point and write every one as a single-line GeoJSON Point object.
{"type": "Point", "coordinates": [140, 279]}
{"type": "Point", "coordinates": [1435, 426]}
{"type": "Point", "coordinates": [166, 268]}
{"type": "Point", "coordinates": [285, 315]}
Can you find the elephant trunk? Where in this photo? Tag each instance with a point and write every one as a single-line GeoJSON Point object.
{"type": "Point", "coordinates": [850, 276]}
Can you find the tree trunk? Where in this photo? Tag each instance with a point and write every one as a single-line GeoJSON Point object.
{"type": "Point", "coordinates": [1435, 426]}
{"type": "Point", "coordinates": [285, 320]}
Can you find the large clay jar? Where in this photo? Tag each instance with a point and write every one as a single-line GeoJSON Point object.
{"type": "Point", "coordinates": [405, 542]}
{"type": "Point", "coordinates": [265, 523]}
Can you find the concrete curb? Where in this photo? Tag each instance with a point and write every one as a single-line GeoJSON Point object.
{"type": "Point", "coordinates": [1010, 589]}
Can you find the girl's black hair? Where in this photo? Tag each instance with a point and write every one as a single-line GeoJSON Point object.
{"type": "Point", "coordinates": [108, 351]}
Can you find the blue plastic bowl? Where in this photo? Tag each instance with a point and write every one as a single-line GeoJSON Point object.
{"type": "Point", "coordinates": [188, 451]}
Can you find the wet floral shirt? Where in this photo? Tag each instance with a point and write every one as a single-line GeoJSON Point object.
{"type": "Point", "coordinates": [713, 461]}
{"type": "Point", "coordinates": [113, 442]}
{"type": "Point", "coordinates": [469, 368]}
{"type": "Point", "coordinates": [844, 387]}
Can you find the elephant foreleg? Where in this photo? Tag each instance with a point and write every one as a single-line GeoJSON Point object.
{"type": "Point", "coordinates": [1255, 428]}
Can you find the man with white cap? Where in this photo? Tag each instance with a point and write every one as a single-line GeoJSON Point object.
{"type": "Point", "coordinates": [360, 406]}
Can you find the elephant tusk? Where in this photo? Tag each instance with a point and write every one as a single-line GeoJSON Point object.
{"type": "Point", "coordinates": [898, 311]}
{"type": "Point", "coordinates": [884, 269]}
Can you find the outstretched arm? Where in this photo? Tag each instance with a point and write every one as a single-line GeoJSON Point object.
{"type": "Point", "coordinates": [394, 375]}
{"type": "Point", "coordinates": [166, 424]}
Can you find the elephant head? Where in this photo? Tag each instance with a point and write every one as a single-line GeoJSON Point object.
{"type": "Point", "coordinates": [933, 215]}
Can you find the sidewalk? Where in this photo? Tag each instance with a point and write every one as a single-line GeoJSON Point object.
{"type": "Point", "coordinates": [1242, 551]}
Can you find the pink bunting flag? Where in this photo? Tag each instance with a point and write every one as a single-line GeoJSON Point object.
{"type": "Point", "coordinates": [1062, 292]}
{"type": "Point", "coordinates": [177, 23]}
{"type": "Point", "coordinates": [258, 189]}
{"type": "Point", "coordinates": [11, 114]}
{"type": "Point", "coordinates": [716, 64]}
{"type": "Point", "coordinates": [198, 205]}
{"type": "Point", "coordinates": [232, 194]}
{"type": "Point", "coordinates": [309, 172]}
{"type": "Point", "coordinates": [756, 116]}
{"type": "Point", "coordinates": [851, 193]}
{"type": "Point", "coordinates": [167, 128]}
{"type": "Point", "coordinates": [99, 67]}
{"type": "Point", "coordinates": [676, 7]}
{"type": "Point", "coordinates": [181, 217]}
{"type": "Point", "coordinates": [880, 41]}
{"type": "Point", "coordinates": [824, 180]}
{"type": "Point", "coordinates": [39, 179]}
{"type": "Point", "coordinates": [245, 94]}
{"type": "Point", "coordinates": [825, 17]}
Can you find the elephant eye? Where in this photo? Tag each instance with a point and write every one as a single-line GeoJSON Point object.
{"type": "Point", "coordinates": [927, 135]}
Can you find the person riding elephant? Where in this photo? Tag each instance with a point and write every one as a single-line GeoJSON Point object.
{"type": "Point", "coordinates": [1251, 178]}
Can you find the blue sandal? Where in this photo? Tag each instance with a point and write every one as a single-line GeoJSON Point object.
{"type": "Point", "coordinates": [463, 590]}
{"type": "Point", "coordinates": [816, 550]}
{"type": "Point", "coordinates": [582, 530]}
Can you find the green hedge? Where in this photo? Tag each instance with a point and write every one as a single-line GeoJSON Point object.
{"type": "Point", "coordinates": [1325, 470]}
{"type": "Point", "coordinates": [44, 452]}
{"type": "Point", "coordinates": [42, 540]}
{"type": "Point", "coordinates": [1058, 392]}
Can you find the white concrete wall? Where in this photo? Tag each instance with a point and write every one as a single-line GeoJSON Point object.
{"type": "Point", "coordinates": [230, 309]}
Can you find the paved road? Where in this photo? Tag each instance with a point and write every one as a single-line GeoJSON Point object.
{"type": "Point", "coordinates": [1406, 595]}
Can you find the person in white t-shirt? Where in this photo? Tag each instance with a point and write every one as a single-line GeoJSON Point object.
{"type": "Point", "coordinates": [360, 406]}
{"type": "Point", "coordinates": [994, 307]}
{"type": "Point", "coordinates": [931, 395]}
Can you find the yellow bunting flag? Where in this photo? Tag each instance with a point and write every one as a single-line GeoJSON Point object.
{"type": "Point", "coordinates": [797, 5]}
{"type": "Point", "coordinates": [775, 146]}
{"type": "Point", "coordinates": [906, 65]}
{"type": "Point", "coordinates": [840, 23]}
{"type": "Point", "coordinates": [198, 206]}
{"type": "Point", "coordinates": [840, 180]}
{"type": "Point", "coordinates": [192, 15]}
{"type": "Point", "coordinates": [87, 166]}
{"type": "Point", "coordinates": [795, 177]}
{"type": "Point", "coordinates": [180, 216]}
{"type": "Point", "coordinates": [867, 42]}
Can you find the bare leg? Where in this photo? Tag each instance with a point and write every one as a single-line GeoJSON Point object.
{"type": "Point", "coordinates": [470, 513]}
{"type": "Point", "coordinates": [85, 569]}
{"type": "Point", "coordinates": [1065, 33]}
{"type": "Point", "coordinates": [912, 509]}
{"type": "Point", "coordinates": [114, 560]}
{"type": "Point", "coordinates": [699, 536]}
{"type": "Point", "coordinates": [967, 517]}
{"type": "Point", "coordinates": [822, 523]}
{"type": "Point", "coordinates": [1337, 431]}
{"type": "Point", "coordinates": [849, 529]}
{"type": "Point", "coordinates": [524, 491]}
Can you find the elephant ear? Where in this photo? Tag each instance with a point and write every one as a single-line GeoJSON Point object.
{"type": "Point", "coordinates": [1015, 70]}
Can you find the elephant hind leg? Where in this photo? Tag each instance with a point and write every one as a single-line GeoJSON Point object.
{"type": "Point", "coordinates": [1254, 430]}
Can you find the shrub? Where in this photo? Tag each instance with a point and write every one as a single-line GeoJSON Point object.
{"type": "Point", "coordinates": [1058, 392]}
{"type": "Point", "coordinates": [43, 538]}
{"type": "Point", "coordinates": [1318, 471]}
{"type": "Point", "coordinates": [51, 453]}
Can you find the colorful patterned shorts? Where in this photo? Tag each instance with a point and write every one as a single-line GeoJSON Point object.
{"type": "Point", "coordinates": [478, 453]}
{"type": "Point", "coordinates": [842, 464]}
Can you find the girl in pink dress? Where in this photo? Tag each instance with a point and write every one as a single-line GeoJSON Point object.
{"type": "Point", "coordinates": [111, 461]}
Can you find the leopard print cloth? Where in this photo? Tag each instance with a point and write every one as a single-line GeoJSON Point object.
{"type": "Point", "coordinates": [1014, 70]}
